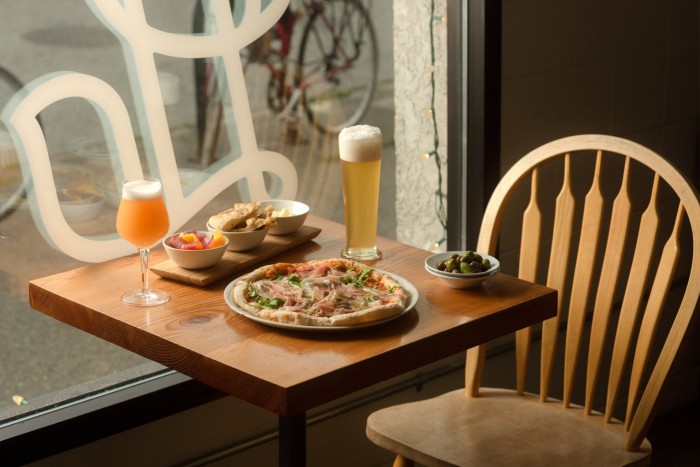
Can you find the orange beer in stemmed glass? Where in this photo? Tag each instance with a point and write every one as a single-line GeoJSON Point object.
{"type": "Point", "coordinates": [142, 220]}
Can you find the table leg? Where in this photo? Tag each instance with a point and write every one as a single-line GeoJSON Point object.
{"type": "Point", "coordinates": [292, 440]}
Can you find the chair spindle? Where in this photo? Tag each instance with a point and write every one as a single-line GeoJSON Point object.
{"type": "Point", "coordinates": [557, 273]}
{"type": "Point", "coordinates": [636, 284]}
{"type": "Point", "coordinates": [585, 261]}
{"type": "Point", "coordinates": [650, 319]}
{"type": "Point", "coordinates": [527, 269]}
{"type": "Point", "coordinates": [609, 275]}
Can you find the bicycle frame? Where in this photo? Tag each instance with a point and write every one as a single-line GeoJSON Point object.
{"type": "Point", "coordinates": [330, 39]}
{"type": "Point", "coordinates": [285, 29]}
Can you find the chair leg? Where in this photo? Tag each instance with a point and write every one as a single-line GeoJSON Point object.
{"type": "Point", "coordinates": [401, 461]}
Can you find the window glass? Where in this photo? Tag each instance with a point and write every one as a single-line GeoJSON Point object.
{"type": "Point", "coordinates": [45, 362]}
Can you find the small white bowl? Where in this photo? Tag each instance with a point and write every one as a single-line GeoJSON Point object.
{"type": "Point", "coordinates": [82, 211]}
{"type": "Point", "coordinates": [94, 152]}
{"type": "Point", "coordinates": [287, 224]}
{"type": "Point", "coordinates": [242, 241]}
{"type": "Point", "coordinates": [460, 280]}
{"type": "Point", "coordinates": [195, 259]}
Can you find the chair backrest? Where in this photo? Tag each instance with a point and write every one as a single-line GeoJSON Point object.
{"type": "Point", "coordinates": [620, 257]}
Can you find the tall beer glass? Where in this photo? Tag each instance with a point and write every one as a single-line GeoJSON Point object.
{"type": "Point", "coordinates": [360, 162]}
{"type": "Point", "coordinates": [142, 220]}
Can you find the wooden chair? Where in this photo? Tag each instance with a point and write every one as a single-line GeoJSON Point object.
{"type": "Point", "coordinates": [615, 296]}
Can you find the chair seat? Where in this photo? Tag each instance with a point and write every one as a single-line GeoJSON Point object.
{"type": "Point", "coordinates": [498, 428]}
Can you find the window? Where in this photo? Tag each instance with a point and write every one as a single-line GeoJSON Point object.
{"type": "Point", "coordinates": [47, 363]}
{"type": "Point", "coordinates": [50, 365]}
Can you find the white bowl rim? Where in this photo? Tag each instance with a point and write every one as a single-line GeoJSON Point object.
{"type": "Point", "coordinates": [462, 276]}
{"type": "Point", "coordinates": [301, 204]}
{"type": "Point", "coordinates": [92, 201]}
{"type": "Point", "coordinates": [233, 232]}
{"type": "Point", "coordinates": [76, 204]}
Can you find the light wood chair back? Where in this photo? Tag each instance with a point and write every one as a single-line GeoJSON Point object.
{"type": "Point", "coordinates": [650, 273]}
{"type": "Point", "coordinates": [619, 237]}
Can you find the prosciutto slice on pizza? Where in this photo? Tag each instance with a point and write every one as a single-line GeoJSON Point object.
{"type": "Point", "coordinates": [333, 292]}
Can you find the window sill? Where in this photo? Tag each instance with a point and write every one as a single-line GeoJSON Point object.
{"type": "Point", "coordinates": [75, 423]}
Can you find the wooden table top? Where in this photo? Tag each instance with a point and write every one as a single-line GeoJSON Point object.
{"type": "Point", "coordinates": [288, 372]}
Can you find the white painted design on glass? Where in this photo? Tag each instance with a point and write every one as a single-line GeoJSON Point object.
{"type": "Point", "coordinates": [140, 42]}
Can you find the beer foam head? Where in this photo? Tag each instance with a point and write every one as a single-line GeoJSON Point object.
{"type": "Point", "coordinates": [141, 189]}
{"type": "Point", "coordinates": [360, 143]}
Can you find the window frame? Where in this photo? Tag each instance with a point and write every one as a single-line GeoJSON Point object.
{"type": "Point", "coordinates": [75, 423]}
{"type": "Point", "coordinates": [473, 115]}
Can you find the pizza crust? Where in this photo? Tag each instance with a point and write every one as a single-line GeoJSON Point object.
{"type": "Point", "coordinates": [394, 305]}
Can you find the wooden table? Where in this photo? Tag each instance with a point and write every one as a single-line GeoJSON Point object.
{"type": "Point", "coordinates": [289, 372]}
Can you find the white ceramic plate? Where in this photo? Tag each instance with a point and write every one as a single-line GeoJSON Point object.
{"type": "Point", "coordinates": [410, 290]}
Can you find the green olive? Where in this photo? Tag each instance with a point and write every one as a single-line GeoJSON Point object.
{"type": "Point", "coordinates": [467, 263]}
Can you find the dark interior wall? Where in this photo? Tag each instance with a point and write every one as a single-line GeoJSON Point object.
{"type": "Point", "coordinates": [625, 68]}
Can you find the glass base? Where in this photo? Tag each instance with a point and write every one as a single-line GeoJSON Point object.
{"type": "Point", "coordinates": [149, 297]}
{"type": "Point", "coordinates": [362, 254]}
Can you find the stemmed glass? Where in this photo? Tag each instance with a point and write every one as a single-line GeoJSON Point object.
{"type": "Point", "coordinates": [142, 220]}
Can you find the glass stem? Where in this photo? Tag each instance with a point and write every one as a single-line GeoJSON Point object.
{"type": "Point", "coordinates": [144, 270]}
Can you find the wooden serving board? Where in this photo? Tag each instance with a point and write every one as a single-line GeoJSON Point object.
{"type": "Point", "coordinates": [234, 261]}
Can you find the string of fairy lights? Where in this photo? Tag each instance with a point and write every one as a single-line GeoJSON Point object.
{"type": "Point", "coordinates": [434, 153]}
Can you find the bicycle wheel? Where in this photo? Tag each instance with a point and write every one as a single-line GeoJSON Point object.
{"type": "Point", "coordinates": [12, 184]}
{"type": "Point", "coordinates": [338, 62]}
{"type": "Point", "coordinates": [207, 93]}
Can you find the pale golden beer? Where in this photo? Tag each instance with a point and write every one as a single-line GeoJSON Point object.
{"type": "Point", "coordinates": [360, 163]}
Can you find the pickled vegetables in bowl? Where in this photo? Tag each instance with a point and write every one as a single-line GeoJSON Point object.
{"type": "Point", "coordinates": [196, 240]}
{"type": "Point", "coordinates": [195, 249]}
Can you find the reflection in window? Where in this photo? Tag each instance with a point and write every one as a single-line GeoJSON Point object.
{"type": "Point", "coordinates": [46, 362]}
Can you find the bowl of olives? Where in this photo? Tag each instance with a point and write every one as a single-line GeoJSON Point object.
{"type": "Point", "coordinates": [462, 269]}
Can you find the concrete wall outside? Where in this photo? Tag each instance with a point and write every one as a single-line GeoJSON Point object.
{"type": "Point", "coordinates": [417, 178]}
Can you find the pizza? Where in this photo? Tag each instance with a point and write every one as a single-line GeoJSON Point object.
{"type": "Point", "coordinates": [331, 292]}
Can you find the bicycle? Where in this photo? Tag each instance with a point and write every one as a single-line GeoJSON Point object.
{"type": "Point", "coordinates": [13, 186]}
{"type": "Point", "coordinates": [333, 74]}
